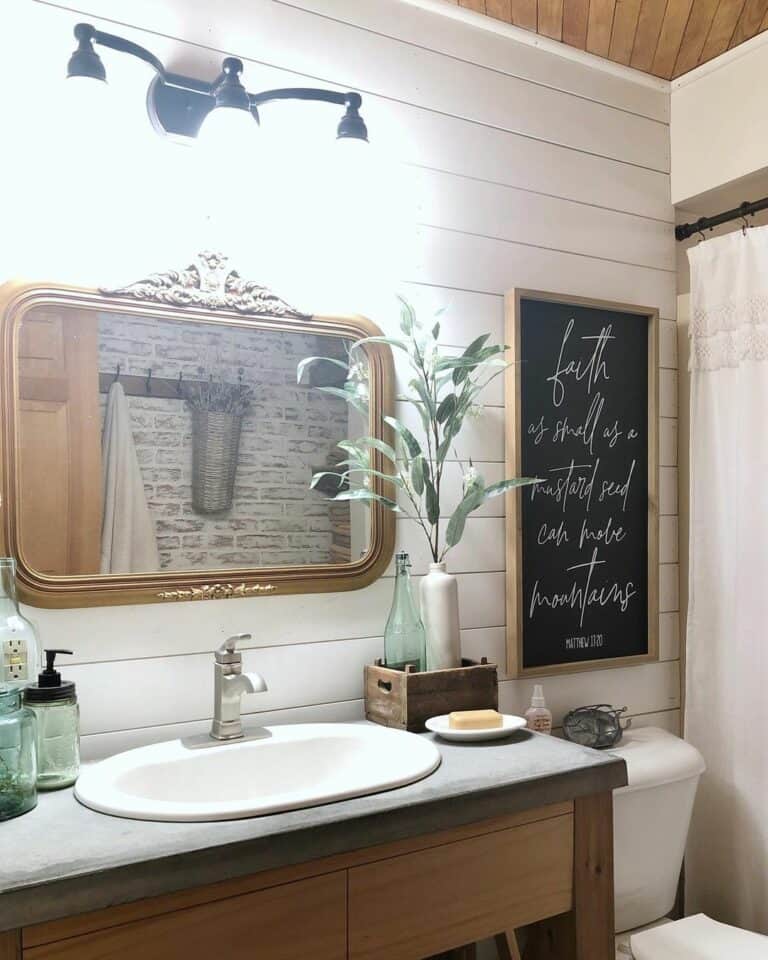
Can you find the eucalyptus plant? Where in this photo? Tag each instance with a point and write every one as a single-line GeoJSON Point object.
{"type": "Point", "coordinates": [444, 392]}
{"type": "Point", "coordinates": [215, 395]}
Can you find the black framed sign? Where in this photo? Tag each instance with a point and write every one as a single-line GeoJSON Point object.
{"type": "Point", "coordinates": [582, 545]}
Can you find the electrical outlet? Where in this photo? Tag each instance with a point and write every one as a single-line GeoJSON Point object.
{"type": "Point", "coordinates": [16, 672]}
{"type": "Point", "coordinates": [15, 647]}
{"type": "Point", "coordinates": [14, 662]}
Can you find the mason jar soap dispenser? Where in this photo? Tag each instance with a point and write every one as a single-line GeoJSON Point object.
{"type": "Point", "coordinates": [54, 704]}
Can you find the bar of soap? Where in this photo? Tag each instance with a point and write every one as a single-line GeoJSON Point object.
{"type": "Point", "coordinates": [474, 719]}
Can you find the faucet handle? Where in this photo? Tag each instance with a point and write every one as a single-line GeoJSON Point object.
{"type": "Point", "coordinates": [228, 652]}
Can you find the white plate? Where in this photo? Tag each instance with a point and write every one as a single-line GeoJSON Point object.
{"type": "Point", "coordinates": [509, 724]}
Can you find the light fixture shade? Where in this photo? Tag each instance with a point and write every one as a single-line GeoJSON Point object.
{"type": "Point", "coordinates": [229, 129]}
{"type": "Point", "coordinates": [352, 126]}
{"type": "Point", "coordinates": [85, 62]}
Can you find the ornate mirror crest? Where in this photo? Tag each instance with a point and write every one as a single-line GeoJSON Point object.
{"type": "Point", "coordinates": [211, 284]}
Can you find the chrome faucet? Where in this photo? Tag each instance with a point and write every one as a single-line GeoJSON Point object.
{"type": "Point", "coordinates": [230, 683]}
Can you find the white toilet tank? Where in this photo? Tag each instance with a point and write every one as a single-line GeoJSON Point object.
{"type": "Point", "coordinates": [651, 818]}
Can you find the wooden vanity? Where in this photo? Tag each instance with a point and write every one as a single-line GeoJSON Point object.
{"type": "Point", "coordinates": [546, 866]}
{"type": "Point", "coordinates": [408, 899]}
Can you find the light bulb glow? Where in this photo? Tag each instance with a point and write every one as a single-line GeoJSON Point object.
{"type": "Point", "coordinates": [229, 129]}
{"type": "Point", "coordinates": [87, 104]}
{"type": "Point", "coordinates": [353, 144]}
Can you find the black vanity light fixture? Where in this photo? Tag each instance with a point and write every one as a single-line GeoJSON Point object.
{"type": "Point", "coordinates": [178, 104]}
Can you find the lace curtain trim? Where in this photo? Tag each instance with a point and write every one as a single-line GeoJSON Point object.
{"type": "Point", "coordinates": [729, 334]}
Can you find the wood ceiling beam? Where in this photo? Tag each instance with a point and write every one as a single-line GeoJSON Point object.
{"type": "Point", "coordinates": [624, 30]}
{"type": "Point", "coordinates": [499, 9]}
{"type": "Point", "coordinates": [666, 38]}
{"type": "Point", "coordinates": [575, 20]}
{"type": "Point", "coordinates": [670, 38]}
{"type": "Point", "coordinates": [525, 14]}
{"type": "Point", "coordinates": [550, 19]}
{"type": "Point", "coordinates": [695, 36]}
{"type": "Point", "coordinates": [720, 32]}
{"type": "Point", "coordinates": [750, 21]}
{"type": "Point", "coordinates": [599, 26]}
{"type": "Point", "coordinates": [647, 35]}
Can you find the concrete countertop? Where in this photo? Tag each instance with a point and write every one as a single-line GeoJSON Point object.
{"type": "Point", "coordinates": [62, 858]}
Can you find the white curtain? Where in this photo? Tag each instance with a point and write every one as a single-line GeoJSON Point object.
{"type": "Point", "coordinates": [727, 645]}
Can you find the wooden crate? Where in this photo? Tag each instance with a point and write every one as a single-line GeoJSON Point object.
{"type": "Point", "coordinates": [395, 698]}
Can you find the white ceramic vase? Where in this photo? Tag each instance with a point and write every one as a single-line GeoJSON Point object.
{"type": "Point", "coordinates": [440, 614]}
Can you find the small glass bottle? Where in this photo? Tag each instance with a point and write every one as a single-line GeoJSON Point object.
{"type": "Point", "coordinates": [537, 716]}
{"type": "Point", "coordinates": [18, 767]}
{"type": "Point", "coordinates": [19, 660]}
{"type": "Point", "coordinates": [404, 636]}
{"type": "Point", "coordinates": [54, 704]}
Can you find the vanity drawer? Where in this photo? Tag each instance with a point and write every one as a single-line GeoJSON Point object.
{"type": "Point", "coordinates": [424, 903]}
{"type": "Point", "coordinates": [290, 922]}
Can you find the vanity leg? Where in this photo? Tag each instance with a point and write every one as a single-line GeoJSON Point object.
{"type": "Point", "coordinates": [587, 932]}
{"type": "Point", "coordinates": [506, 946]}
{"type": "Point", "coordinates": [467, 952]}
{"type": "Point", "coordinates": [593, 877]}
{"type": "Point", "coordinates": [10, 945]}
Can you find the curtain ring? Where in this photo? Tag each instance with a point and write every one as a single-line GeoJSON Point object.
{"type": "Point", "coordinates": [744, 209]}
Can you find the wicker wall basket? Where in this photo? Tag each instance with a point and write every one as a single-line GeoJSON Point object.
{"type": "Point", "coordinates": [215, 448]}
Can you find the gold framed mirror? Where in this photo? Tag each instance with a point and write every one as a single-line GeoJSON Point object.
{"type": "Point", "coordinates": [157, 443]}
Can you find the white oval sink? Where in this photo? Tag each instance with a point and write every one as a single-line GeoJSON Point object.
{"type": "Point", "coordinates": [280, 768]}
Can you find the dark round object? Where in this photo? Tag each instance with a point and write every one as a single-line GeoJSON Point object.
{"type": "Point", "coordinates": [597, 726]}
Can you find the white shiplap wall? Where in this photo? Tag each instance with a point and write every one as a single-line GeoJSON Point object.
{"type": "Point", "coordinates": [530, 170]}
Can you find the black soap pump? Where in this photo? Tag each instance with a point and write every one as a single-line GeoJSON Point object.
{"type": "Point", "coordinates": [54, 703]}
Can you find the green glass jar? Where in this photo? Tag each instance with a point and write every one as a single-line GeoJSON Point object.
{"type": "Point", "coordinates": [18, 642]}
{"type": "Point", "coordinates": [404, 636]}
{"type": "Point", "coordinates": [18, 765]}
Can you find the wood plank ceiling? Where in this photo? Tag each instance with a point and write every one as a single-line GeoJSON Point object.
{"type": "Point", "coordinates": [665, 38]}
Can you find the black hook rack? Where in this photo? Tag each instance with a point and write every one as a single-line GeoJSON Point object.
{"type": "Point", "coordinates": [138, 385]}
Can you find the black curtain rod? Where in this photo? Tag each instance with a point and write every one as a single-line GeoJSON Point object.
{"type": "Point", "coordinates": [685, 230]}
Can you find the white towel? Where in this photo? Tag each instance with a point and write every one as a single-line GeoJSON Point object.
{"type": "Point", "coordinates": [699, 938]}
{"type": "Point", "coordinates": [128, 543]}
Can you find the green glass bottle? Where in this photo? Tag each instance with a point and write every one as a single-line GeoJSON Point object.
{"type": "Point", "coordinates": [18, 642]}
{"type": "Point", "coordinates": [404, 636]}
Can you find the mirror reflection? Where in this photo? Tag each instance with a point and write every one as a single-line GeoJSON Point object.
{"type": "Point", "coordinates": [150, 444]}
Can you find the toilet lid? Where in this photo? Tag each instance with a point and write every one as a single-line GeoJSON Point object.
{"type": "Point", "coordinates": [698, 938]}
{"type": "Point", "coordinates": [655, 757]}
